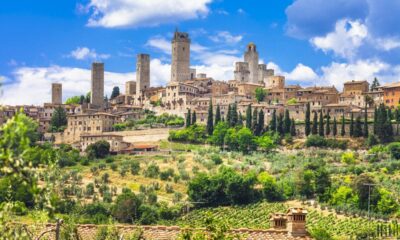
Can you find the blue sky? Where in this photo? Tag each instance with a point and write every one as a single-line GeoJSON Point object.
{"type": "Point", "coordinates": [324, 42]}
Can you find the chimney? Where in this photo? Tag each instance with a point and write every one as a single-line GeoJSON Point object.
{"type": "Point", "coordinates": [278, 221]}
{"type": "Point", "coordinates": [296, 222]}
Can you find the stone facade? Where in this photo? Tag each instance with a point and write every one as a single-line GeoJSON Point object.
{"type": "Point", "coordinates": [391, 95]}
{"type": "Point", "coordinates": [116, 142]}
{"type": "Point", "coordinates": [242, 72]}
{"type": "Point", "coordinates": [56, 93]}
{"type": "Point", "coordinates": [97, 90]}
{"type": "Point", "coordinates": [251, 57]}
{"type": "Point", "coordinates": [180, 63]}
{"type": "Point", "coordinates": [130, 88]}
{"type": "Point", "coordinates": [142, 73]}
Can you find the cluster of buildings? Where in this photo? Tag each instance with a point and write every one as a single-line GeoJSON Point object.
{"type": "Point", "coordinates": [189, 89]}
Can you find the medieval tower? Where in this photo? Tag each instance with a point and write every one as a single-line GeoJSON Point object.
{"type": "Point", "coordinates": [56, 93]}
{"type": "Point", "coordinates": [242, 72]}
{"type": "Point", "coordinates": [251, 57]}
{"type": "Point", "coordinates": [142, 73]}
{"type": "Point", "coordinates": [180, 65]}
{"type": "Point", "coordinates": [97, 90]}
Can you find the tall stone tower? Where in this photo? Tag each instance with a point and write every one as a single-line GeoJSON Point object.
{"type": "Point", "coordinates": [242, 72]}
{"type": "Point", "coordinates": [97, 91]}
{"type": "Point", "coordinates": [180, 65]}
{"type": "Point", "coordinates": [56, 93]}
{"type": "Point", "coordinates": [142, 73]}
{"type": "Point", "coordinates": [251, 57]}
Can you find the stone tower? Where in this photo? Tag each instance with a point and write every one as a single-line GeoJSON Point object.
{"type": "Point", "coordinates": [180, 65]}
{"type": "Point", "coordinates": [242, 72]}
{"type": "Point", "coordinates": [56, 93]}
{"type": "Point", "coordinates": [130, 88]}
{"type": "Point", "coordinates": [251, 57]}
{"type": "Point", "coordinates": [142, 73]}
{"type": "Point", "coordinates": [97, 91]}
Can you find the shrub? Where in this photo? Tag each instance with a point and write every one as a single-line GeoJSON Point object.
{"type": "Point", "coordinates": [167, 174]}
{"type": "Point", "coordinates": [216, 159]}
{"type": "Point", "coordinates": [348, 158]}
{"type": "Point", "coordinates": [371, 140]}
{"type": "Point", "coordinates": [318, 141]}
{"type": "Point", "coordinates": [98, 149]}
{"type": "Point", "coordinates": [135, 168]}
{"type": "Point", "coordinates": [193, 134]}
{"type": "Point", "coordinates": [114, 167]}
{"type": "Point", "coordinates": [152, 171]}
{"type": "Point", "coordinates": [126, 207]}
{"type": "Point", "coordinates": [394, 150]}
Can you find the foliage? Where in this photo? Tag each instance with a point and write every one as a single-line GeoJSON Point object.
{"type": "Point", "coordinates": [394, 150]}
{"type": "Point", "coordinates": [348, 158]}
{"type": "Point", "coordinates": [192, 134]}
{"type": "Point", "coordinates": [318, 141]}
{"type": "Point", "coordinates": [115, 92]}
{"type": "Point", "coordinates": [98, 149]}
{"type": "Point", "coordinates": [58, 120]}
{"type": "Point", "coordinates": [210, 123]}
{"type": "Point", "coordinates": [261, 93]}
{"type": "Point", "coordinates": [73, 100]}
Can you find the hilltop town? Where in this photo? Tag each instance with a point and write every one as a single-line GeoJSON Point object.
{"type": "Point", "coordinates": [94, 116]}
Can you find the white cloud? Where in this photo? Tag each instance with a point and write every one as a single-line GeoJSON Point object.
{"type": "Point", "coordinates": [160, 43]}
{"type": "Point", "coordinates": [226, 37]}
{"type": "Point", "coordinates": [84, 53]}
{"type": "Point", "coordinates": [301, 74]}
{"type": "Point", "coordinates": [345, 40]}
{"type": "Point", "coordinates": [133, 13]}
{"type": "Point", "coordinates": [32, 85]}
{"type": "Point", "coordinates": [388, 44]}
{"type": "Point", "coordinates": [338, 73]}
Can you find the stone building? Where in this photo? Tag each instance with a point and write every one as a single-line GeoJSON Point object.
{"type": "Point", "coordinates": [116, 142]}
{"type": "Point", "coordinates": [180, 63]}
{"type": "Point", "coordinates": [142, 74]}
{"type": "Point", "coordinates": [251, 57]}
{"type": "Point", "coordinates": [242, 72]}
{"type": "Point", "coordinates": [391, 94]}
{"type": "Point", "coordinates": [97, 85]}
{"type": "Point", "coordinates": [130, 88]}
{"type": "Point", "coordinates": [56, 93]}
{"type": "Point", "coordinates": [355, 87]}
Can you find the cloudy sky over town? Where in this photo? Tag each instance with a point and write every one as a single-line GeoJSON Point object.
{"type": "Point", "coordinates": [310, 42]}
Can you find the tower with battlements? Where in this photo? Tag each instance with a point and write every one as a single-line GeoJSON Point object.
{"type": "Point", "coordinates": [142, 73]}
{"type": "Point", "coordinates": [180, 65]}
{"type": "Point", "coordinates": [251, 57]}
{"type": "Point", "coordinates": [56, 93]}
{"type": "Point", "coordinates": [97, 85]}
{"type": "Point", "coordinates": [242, 73]}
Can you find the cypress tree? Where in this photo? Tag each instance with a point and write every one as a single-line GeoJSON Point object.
{"type": "Point", "coordinates": [229, 115]}
{"type": "Point", "coordinates": [210, 120]}
{"type": "Point", "coordinates": [234, 116]}
{"type": "Point", "coordinates": [286, 122]}
{"type": "Point", "coordinates": [193, 118]}
{"type": "Point", "coordinates": [343, 130]}
{"type": "Point", "coordinates": [397, 118]}
{"type": "Point", "coordinates": [188, 118]}
{"type": "Point", "coordinates": [217, 115]}
{"type": "Point", "coordinates": [308, 120]}
{"type": "Point", "coordinates": [328, 124]}
{"type": "Point", "coordinates": [375, 119]}
{"type": "Point", "coordinates": [314, 129]}
{"type": "Point", "coordinates": [248, 117]}
{"type": "Point", "coordinates": [255, 122]}
{"type": "Point", "coordinates": [293, 128]}
{"type": "Point", "coordinates": [260, 124]}
{"type": "Point", "coordinates": [365, 132]}
{"type": "Point", "coordinates": [321, 124]}
{"type": "Point", "coordinates": [334, 130]}
{"type": "Point", "coordinates": [358, 127]}
{"type": "Point", "coordinates": [240, 120]}
{"type": "Point", "coordinates": [351, 125]}
{"type": "Point", "coordinates": [279, 128]}
{"type": "Point", "coordinates": [272, 124]}
{"type": "Point", "coordinates": [388, 126]}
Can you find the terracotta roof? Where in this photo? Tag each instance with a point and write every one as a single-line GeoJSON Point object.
{"type": "Point", "coordinates": [391, 85]}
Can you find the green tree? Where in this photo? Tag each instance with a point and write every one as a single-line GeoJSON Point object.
{"type": "Point", "coordinates": [217, 116]}
{"type": "Point", "coordinates": [365, 129]}
{"type": "Point", "coordinates": [210, 125]}
{"type": "Point", "coordinates": [240, 120]}
{"type": "Point", "coordinates": [266, 143]}
{"type": "Point", "coordinates": [59, 119]}
{"type": "Point", "coordinates": [314, 129]}
{"type": "Point", "coordinates": [188, 118]}
{"type": "Point", "coordinates": [246, 140]}
{"type": "Point", "coordinates": [255, 120]}
{"type": "Point", "coordinates": [279, 127]}
{"type": "Point", "coordinates": [307, 120]}
{"type": "Point", "coordinates": [293, 128]}
{"type": "Point", "coordinates": [88, 96]}
{"type": "Point", "coordinates": [286, 122]}
{"type": "Point", "coordinates": [375, 84]}
{"type": "Point", "coordinates": [334, 130]}
{"type": "Point", "coordinates": [343, 129]}
{"type": "Point", "coordinates": [328, 124]}
{"type": "Point", "coordinates": [261, 93]}
{"type": "Point", "coordinates": [73, 100]}
{"type": "Point", "coordinates": [82, 99]}
{"type": "Point", "coordinates": [99, 149]}
{"type": "Point", "coordinates": [375, 120]}
{"type": "Point", "coordinates": [219, 133]}
{"type": "Point", "coordinates": [361, 185]}
{"type": "Point", "coordinates": [260, 124]}
{"type": "Point", "coordinates": [248, 117]}
{"type": "Point", "coordinates": [358, 128]}
{"type": "Point", "coordinates": [273, 122]}
{"type": "Point", "coordinates": [193, 121]}
{"type": "Point", "coordinates": [352, 125]}
{"type": "Point", "coordinates": [234, 115]}
{"type": "Point", "coordinates": [115, 92]}
{"type": "Point", "coordinates": [126, 207]}
{"type": "Point", "coordinates": [229, 115]}
{"type": "Point", "coordinates": [321, 124]}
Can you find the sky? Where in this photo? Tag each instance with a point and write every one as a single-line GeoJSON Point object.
{"type": "Point", "coordinates": [310, 42]}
